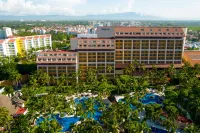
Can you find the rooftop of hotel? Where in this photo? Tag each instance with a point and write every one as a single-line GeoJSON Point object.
{"type": "Point", "coordinates": [2, 41]}
{"type": "Point", "coordinates": [12, 40]}
{"type": "Point", "coordinates": [193, 57]}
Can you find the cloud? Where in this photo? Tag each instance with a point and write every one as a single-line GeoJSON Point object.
{"type": "Point", "coordinates": [27, 7]}
{"type": "Point", "coordinates": [130, 5]}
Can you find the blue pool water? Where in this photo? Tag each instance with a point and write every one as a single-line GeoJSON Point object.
{"type": "Point", "coordinates": [67, 121]}
{"type": "Point", "coordinates": [147, 99]}
{"type": "Point", "coordinates": [156, 130]}
{"type": "Point", "coordinates": [151, 99]}
{"type": "Point", "coordinates": [64, 122]}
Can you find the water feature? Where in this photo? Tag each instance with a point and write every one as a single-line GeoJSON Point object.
{"type": "Point", "coordinates": [67, 121]}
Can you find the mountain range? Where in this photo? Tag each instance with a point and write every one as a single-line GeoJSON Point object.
{"type": "Point", "coordinates": [116, 16]}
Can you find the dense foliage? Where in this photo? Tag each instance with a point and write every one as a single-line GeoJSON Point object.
{"type": "Point", "coordinates": [46, 95]}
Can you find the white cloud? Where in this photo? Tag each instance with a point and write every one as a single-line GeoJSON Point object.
{"type": "Point", "coordinates": [130, 5]}
{"type": "Point", "coordinates": [27, 7]}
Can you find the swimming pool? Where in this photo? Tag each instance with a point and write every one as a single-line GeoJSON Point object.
{"type": "Point", "coordinates": [67, 121]}
{"type": "Point", "coordinates": [151, 99]}
{"type": "Point", "coordinates": [147, 99]}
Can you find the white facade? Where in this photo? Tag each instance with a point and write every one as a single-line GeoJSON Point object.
{"type": "Point", "coordinates": [5, 33]}
{"type": "Point", "coordinates": [13, 46]}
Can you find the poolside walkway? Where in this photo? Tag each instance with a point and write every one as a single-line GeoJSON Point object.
{"type": "Point", "coordinates": [6, 102]}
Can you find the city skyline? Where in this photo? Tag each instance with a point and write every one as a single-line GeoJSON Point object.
{"type": "Point", "coordinates": [169, 9]}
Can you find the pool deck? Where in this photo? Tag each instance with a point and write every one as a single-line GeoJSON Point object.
{"type": "Point", "coordinates": [6, 102]}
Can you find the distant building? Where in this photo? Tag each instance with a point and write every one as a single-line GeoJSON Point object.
{"type": "Point", "coordinates": [5, 33]}
{"type": "Point", "coordinates": [192, 56]}
{"type": "Point", "coordinates": [13, 45]}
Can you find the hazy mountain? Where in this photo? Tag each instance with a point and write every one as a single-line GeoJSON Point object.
{"type": "Point", "coordinates": [116, 16]}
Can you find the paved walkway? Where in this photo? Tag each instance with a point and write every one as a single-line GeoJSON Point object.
{"type": "Point", "coordinates": [6, 102]}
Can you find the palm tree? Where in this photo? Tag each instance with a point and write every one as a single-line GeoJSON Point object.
{"type": "Point", "coordinates": [132, 68]}
{"type": "Point", "coordinates": [5, 119]}
{"type": "Point", "coordinates": [127, 71]}
{"type": "Point", "coordinates": [8, 90]}
{"type": "Point", "coordinates": [109, 68]}
{"type": "Point", "coordinates": [21, 124]}
{"type": "Point", "coordinates": [191, 129]}
{"type": "Point", "coordinates": [87, 126]}
{"type": "Point", "coordinates": [15, 77]}
{"type": "Point", "coordinates": [119, 84]}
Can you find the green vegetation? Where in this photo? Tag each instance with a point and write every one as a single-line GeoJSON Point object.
{"type": "Point", "coordinates": [194, 28]}
{"type": "Point", "coordinates": [61, 41]}
{"type": "Point", "coordinates": [181, 85]}
{"type": "Point", "coordinates": [26, 34]}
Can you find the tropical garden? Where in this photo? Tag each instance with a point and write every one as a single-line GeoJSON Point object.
{"type": "Point", "coordinates": [46, 96]}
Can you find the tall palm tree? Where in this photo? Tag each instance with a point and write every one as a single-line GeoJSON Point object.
{"type": "Point", "coordinates": [127, 71]}
{"type": "Point", "coordinates": [132, 68]}
{"type": "Point", "coordinates": [15, 77]}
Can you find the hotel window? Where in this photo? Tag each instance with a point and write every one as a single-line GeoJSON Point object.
{"type": "Point", "coordinates": [142, 29]}
{"type": "Point", "coordinates": [130, 33]}
{"type": "Point", "coordinates": [59, 59]}
{"type": "Point", "coordinates": [144, 62]}
{"type": "Point", "coordinates": [176, 29]}
{"type": "Point", "coordinates": [117, 33]}
{"type": "Point", "coordinates": [159, 29]}
{"type": "Point", "coordinates": [161, 62]}
{"type": "Point", "coordinates": [177, 62]}
{"type": "Point", "coordinates": [49, 59]}
{"type": "Point", "coordinates": [126, 33]}
{"type": "Point", "coordinates": [169, 62]}
{"type": "Point", "coordinates": [121, 33]}
{"type": "Point", "coordinates": [167, 29]}
{"type": "Point", "coordinates": [152, 62]}
{"type": "Point", "coordinates": [151, 30]}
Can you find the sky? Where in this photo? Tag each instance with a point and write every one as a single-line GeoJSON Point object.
{"type": "Point", "coordinates": [172, 9]}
